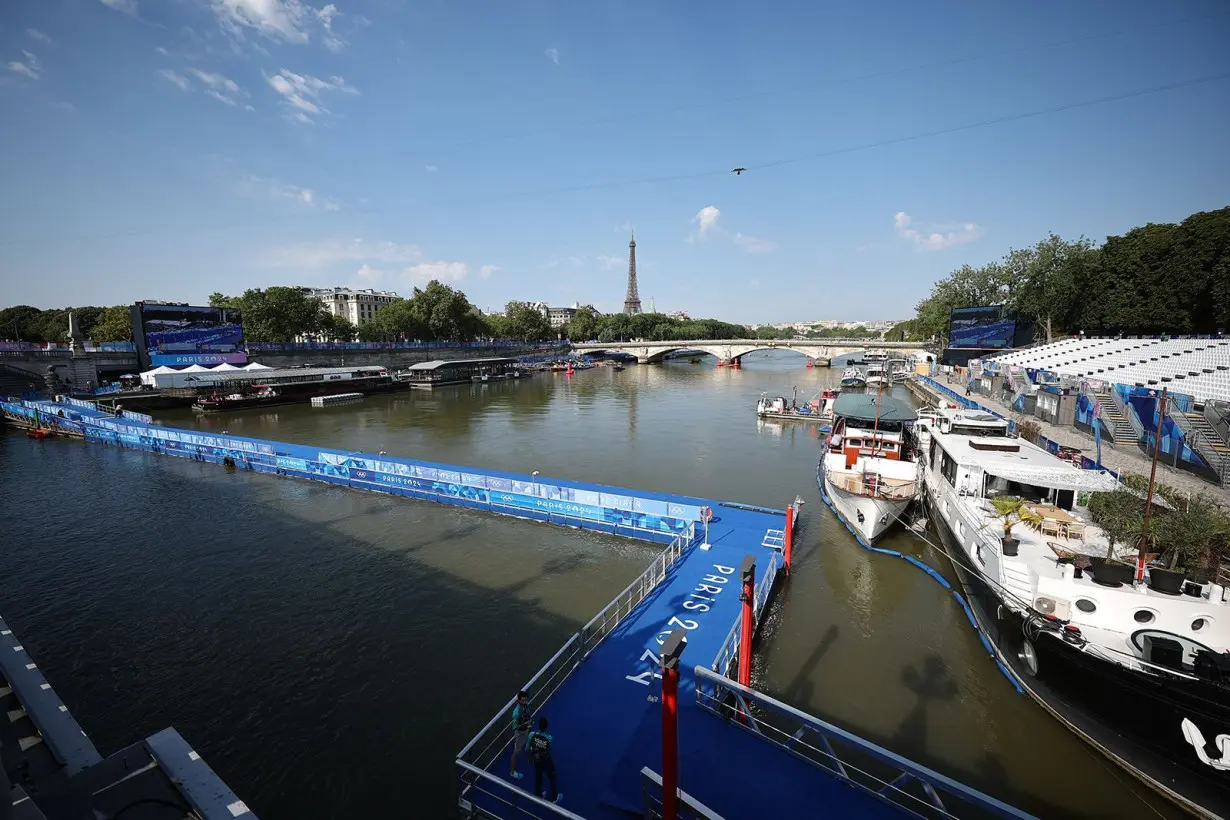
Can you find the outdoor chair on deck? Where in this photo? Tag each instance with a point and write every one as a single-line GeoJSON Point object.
{"type": "Point", "coordinates": [1049, 527]}
{"type": "Point", "coordinates": [1074, 529]}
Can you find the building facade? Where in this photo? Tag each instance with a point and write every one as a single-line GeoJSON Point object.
{"type": "Point", "coordinates": [358, 306]}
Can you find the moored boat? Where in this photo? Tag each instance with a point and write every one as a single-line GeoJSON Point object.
{"type": "Point", "coordinates": [1138, 670]}
{"type": "Point", "coordinates": [853, 377]}
{"type": "Point", "coordinates": [868, 471]}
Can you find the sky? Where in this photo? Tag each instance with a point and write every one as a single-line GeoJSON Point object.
{"type": "Point", "coordinates": [166, 149]}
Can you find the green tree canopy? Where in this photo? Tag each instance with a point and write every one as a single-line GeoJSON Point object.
{"type": "Point", "coordinates": [113, 325]}
{"type": "Point", "coordinates": [525, 322]}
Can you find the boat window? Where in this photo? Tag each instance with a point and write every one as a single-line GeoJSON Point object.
{"type": "Point", "coordinates": [949, 468]}
{"type": "Point", "coordinates": [1199, 624]}
{"type": "Point", "coordinates": [855, 442]}
{"type": "Point", "coordinates": [1086, 605]}
{"type": "Point", "coordinates": [1143, 616]}
{"type": "Point", "coordinates": [998, 431]}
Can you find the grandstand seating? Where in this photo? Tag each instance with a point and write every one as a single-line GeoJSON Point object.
{"type": "Point", "coordinates": [1199, 368]}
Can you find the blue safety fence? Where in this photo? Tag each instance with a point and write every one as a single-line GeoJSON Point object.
{"type": "Point", "coordinates": [590, 506]}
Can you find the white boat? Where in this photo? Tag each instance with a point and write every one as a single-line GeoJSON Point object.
{"type": "Point", "coordinates": [1140, 673]}
{"type": "Point", "coordinates": [876, 374]}
{"type": "Point", "coordinates": [868, 472]}
{"type": "Point", "coordinates": [853, 377]}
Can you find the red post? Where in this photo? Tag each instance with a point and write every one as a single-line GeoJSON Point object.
{"type": "Point", "coordinates": [671, 650]}
{"type": "Point", "coordinates": [788, 541]}
{"type": "Point", "coordinates": [748, 571]}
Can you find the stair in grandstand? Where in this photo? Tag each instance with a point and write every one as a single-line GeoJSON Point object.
{"type": "Point", "coordinates": [1206, 441]}
{"type": "Point", "coordinates": [1113, 420]}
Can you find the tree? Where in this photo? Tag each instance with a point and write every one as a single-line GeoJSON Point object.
{"type": "Point", "coordinates": [1043, 278]}
{"type": "Point", "coordinates": [279, 314]}
{"type": "Point", "coordinates": [444, 313]}
{"type": "Point", "coordinates": [221, 300]}
{"type": "Point", "coordinates": [583, 325]}
{"type": "Point", "coordinates": [525, 322]}
{"type": "Point", "coordinates": [336, 328]}
{"type": "Point", "coordinates": [113, 325]}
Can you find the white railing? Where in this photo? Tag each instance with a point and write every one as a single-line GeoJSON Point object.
{"type": "Point", "coordinates": [889, 488]}
{"type": "Point", "coordinates": [491, 741]}
{"type": "Point", "coordinates": [728, 652]}
{"type": "Point", "coordinates": [493, 798]}
{"type": "Point", "coordinates": [689, 807]}
{"type": "Point", "coordinates": [870, 768]}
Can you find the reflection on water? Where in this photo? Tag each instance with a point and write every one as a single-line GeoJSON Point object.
{"type": "Point", "coordinates": [329, 651]}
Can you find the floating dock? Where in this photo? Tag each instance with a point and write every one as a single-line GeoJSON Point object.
{"type": "Point", "coordinates": [741, 753]}
{"type": "Point", "coordinates": [340, 398]}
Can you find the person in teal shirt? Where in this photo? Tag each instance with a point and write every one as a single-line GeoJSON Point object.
{"type": "Point", "coordinates": [523, 722]}
{"type": "Point", "coordinates": [539, 745]}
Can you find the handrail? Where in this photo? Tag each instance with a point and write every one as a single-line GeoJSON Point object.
{"type": "Point", "coordinates": [1197, 440]}
{"type": "Point", "coordinates": [729, 650]}
{"type": "Point", "coordinates": [486, 746]}
{"type": "Point", "coordinates": [552, 809]}
{"type": "Point", "coordinates": [1128, 412]}
{"type": "Point", "coordinates": [690, 807]}
{"type": "Point", "coordinates": [714, 693]}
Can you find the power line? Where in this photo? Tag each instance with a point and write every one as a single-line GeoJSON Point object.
{"type": "Point", "coordinates": [763, 166]}
{"type": "Point", "coordinates": [836, 82]}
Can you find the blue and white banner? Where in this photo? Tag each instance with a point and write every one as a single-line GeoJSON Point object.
{"type": "Point", "coordinates": [134, 416]}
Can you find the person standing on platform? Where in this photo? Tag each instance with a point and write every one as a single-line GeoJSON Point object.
{"type": "Point", "coordinates": [539, 745]}
{"type": "Point", "coordinates": [523, 722]}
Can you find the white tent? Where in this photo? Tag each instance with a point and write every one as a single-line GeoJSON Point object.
{"type": "Point", "coordinates": [226, 366]}
{"type": "Point", "coordinates": [196, 368]}
{"type": "Point", "coordinates": [150, 376]}
{"type": "Point", "coordinates": [256, 366]}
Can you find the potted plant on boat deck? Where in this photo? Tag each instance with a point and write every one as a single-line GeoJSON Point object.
{"type": "Point", "coordinates": [1010, 510]}
{"type": "Point", "coordinates": [1120, 515]}
{"type": "Point", "coordinates": [1187, 537]}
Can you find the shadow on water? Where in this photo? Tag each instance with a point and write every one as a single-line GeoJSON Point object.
{"type": "Point", "coordinates": [318, 673]}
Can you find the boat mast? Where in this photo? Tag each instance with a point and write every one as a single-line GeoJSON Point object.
{"type": "Point", "coordinates": [1157, 448]}
{"type": "Point", "coordinates": [875, 430]}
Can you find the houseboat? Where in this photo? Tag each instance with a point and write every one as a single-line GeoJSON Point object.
{"type": "Point", "coordinates": [242, 389]}
{"type": "Point", "coordinates": [1138, 670]}
{"type": "Point", "coordinates": [427, 375]}
{"type": "Point", "coordinates": [817, 411]}
{"type": "Point", "coordinates": [876, 374]}
{"type": "Point", "coordinates": [853, 377]}
{"type": "Point", "coordinates": [868, 472]}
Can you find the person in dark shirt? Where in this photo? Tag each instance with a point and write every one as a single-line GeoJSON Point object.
{"type": "Point", "coordinates": [539, 745]}
{"type": "Point", "coordinates": [523, 722]}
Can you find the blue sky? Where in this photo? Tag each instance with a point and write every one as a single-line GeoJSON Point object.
{"type": "Point", "coordinates": [164, 149]}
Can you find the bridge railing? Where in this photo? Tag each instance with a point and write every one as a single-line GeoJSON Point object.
{"type": "Point", "coordinates": [865, 766]}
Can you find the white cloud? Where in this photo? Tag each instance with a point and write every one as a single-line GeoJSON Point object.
{"type": "Point", "coordinates": [263, 188]}
{"type": "Point", "coordinates": [286, 21]}
{"type": "Point", "coordinates": [486, 270]}
{"type": "Point", "coordinates": [126, 6]}
{"type": "Point", "coordinates": [301, 93]}
{"type": "Point", "coordinates": [162, 52]}
{"type": "Point", "coordinates": [553, 55]}
{"type": "Point", "coordinates": [178, 79]}
{"type": "Point", "coordinates": [431, 169]}
{"type": "Point", "coordinates": [444, 271]}
{"type": "Point", "coordinates": [707, 227]}
{"type": "Point", "coordinates": [220, 87]}
{"type": "Point", "coordinates": [610, 262]}
{"type": "Point", "coordinates": [623, 227]}
{"type": "Point", "coordinates": [28, 67]}
{"type": "Point", "coordinates": [35, 34]}
{"type": "Point", "coordinates": [326, 16]}
{"type": "Point", "coordinates": [369, 274]}
{"type": "Point", "coordinates": [752, 244]}
{"type": "Point", "coordinates": [332, 251]}
{"type": "Point", "coordinates": [935, 237]}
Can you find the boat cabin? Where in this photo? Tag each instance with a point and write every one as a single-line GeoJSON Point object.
{"type": "Point", "coordinates": [870, 425]}
{"type": "Point", "coordinates": [438, 373]}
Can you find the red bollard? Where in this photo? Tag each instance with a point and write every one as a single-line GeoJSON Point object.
{"type": "Point", "coordinates": [788, 541]}
{"type": "Point", "coordinates": [748, 571]}
{"type": "Point", "coordinates": [671, 650]}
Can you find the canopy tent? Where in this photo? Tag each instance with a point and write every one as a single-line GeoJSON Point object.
{"type": "Point", "coordinates": [256, 366]}
{"type": "Point", "coordinates": [196, 368]}
{"type": "Point", "coordinates": [225, 366]}
{"type": "Point", "coordinates": [151, 376]}
{"type": "Point", "coordinates": [1059, 476]}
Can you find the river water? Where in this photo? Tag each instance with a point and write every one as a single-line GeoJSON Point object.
{"type": "Point", "coordinates": [329, 651]}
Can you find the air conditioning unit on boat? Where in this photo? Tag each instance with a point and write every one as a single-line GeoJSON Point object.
{"type": "Point", "coordinates": [1051, 606]}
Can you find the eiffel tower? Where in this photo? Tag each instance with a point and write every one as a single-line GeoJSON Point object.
{"type": "Point", "coordinates": [632, 302]}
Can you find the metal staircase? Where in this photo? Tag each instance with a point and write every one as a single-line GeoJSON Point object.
{"type": "Point", "coordinates": [1115, 418]}
{"type": "Point", "coordinates": [1202, 437]}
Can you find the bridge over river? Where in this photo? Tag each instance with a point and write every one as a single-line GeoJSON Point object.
{"type": "Point", "coordinates": [730, 351]}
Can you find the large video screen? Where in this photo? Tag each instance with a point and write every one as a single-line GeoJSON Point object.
{"type": "Point", "coordinates": [981, 327]}
{"type": "Point", "coordinates": [189, 334]}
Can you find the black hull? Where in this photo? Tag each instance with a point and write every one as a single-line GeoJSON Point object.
{"type": "Point", "coordinates": [295, 394]}
{"type": "Point", "coordinates": [1132, 717]}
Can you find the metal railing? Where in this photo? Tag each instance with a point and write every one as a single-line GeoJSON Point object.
{"type": "Point", "coordinates": [489, 744]}
{"type": "Point", "coordinates": [1128, 412]}
{"type": "Point", "coordinates": [1198, 441]}
{"type": "Point", "coordinates": [890, 488]}
{"type": "Point", "coordinates": [911, 787]}
{"type": "Point", "coordinates": [497, 791]}
{"type": "Point", "coordinates": [689, 807]}
{"type": "Point", "coordinates": [728, 652]}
